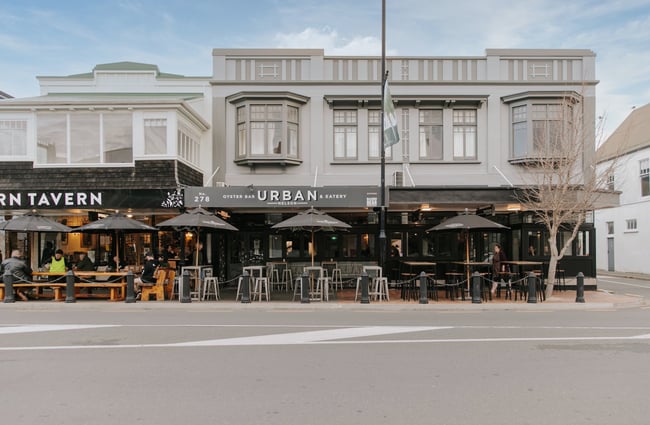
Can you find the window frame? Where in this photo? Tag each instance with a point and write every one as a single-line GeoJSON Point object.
{"type": "Point", "coordinates": [348, 129]}
{"type": "Point", "coordinates": [464, 130]}
{"type": "Point", "coordinates": [527, 118]}
{"type": "Point", "coordinates": [427, 150]}
{"type": "Point", "coordinates": [644, 176]}
{"type": "Point", "coordinates": [288, 119]}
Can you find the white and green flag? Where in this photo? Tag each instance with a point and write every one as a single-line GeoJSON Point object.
{"type": "Point", "coordinates": [391, 134]}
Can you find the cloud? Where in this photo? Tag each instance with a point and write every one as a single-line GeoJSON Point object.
{"type": "Point", "coordinates": [330, 40]}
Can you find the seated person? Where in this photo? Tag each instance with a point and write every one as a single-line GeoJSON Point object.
{"type": "Point", "coordinates": [115, 264]}
{"type": "Point", "coordinates": [16, 266]}
{"type": "Point", "coordinates": [148, 273]}
{"type": "Point", "coordinates": [58, 264]}
{"type": "Point", "coordinates": [84, 264]}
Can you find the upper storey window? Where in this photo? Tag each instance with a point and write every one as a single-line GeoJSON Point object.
{"type": "Point", "coordinates": [268, 129]}
{"type": "Point", "coordinates": [13, 137]}
{"type": "Point", "coordinates": [540, 126]}
{"type": "Point", "coordinates": [84, 138]}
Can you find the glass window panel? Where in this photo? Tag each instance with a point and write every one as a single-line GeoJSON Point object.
{"type": "Point", "coordinates": [241, 142]}
{"type": "Point", "coordinates": [118, 137]}
{"type": "Point", "coordinates": [349, 246]}
{"type": "Point", "coordinates": [275, 246]}
{"type": "Point", "coordinates": [293, 140]}
{"type": "Point", "coordinates": [257, 138]}
{"type": "Point", "coordinates": [520, 146]}
{"type": "Point", "coordinates": [13, 137]}
{"type": "Point", "coordinates": [374, 142]}
{"type": "Point", "coordinates": [431, 142]}
{"type": "Point", "coordinates": [351, 143]}
{"type": "Point", "coordinates": [274, 137]}
{"type": "Point", "coordinates": [155, 136]}
{"type": "Point", "coordinates": [52, 138]}
{"type": "Point", "coordinates": [84, 138]}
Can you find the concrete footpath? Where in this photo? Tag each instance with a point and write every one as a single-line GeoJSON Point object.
{"type": "Point", "coordinates": [560, 300]}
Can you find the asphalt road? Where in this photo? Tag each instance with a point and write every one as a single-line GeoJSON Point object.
{"type": "Point", "coordinates": [114, 363]}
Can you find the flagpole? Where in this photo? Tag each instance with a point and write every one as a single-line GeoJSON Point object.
{"type": "Point", "coordinates": [382, 190]}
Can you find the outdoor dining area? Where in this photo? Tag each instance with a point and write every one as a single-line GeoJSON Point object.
{"type": "Point", "coordinates": [358, 280]}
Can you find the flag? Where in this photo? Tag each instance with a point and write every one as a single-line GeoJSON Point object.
{"type": "Point", "coordinates": [391, 134]}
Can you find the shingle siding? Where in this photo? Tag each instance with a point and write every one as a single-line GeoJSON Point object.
{"type": "Point", "coordinates": [145, 175]}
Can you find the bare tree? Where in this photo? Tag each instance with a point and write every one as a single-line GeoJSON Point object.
{"type": "Point", "coordinates": [562, 184]}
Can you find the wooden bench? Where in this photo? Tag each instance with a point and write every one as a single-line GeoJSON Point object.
{"type": "Point", "coordinates": [56, 288]}
{"type": "Point", "coordinates": [116, 291]}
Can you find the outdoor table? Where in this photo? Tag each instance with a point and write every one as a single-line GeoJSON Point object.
{"type": "Point", "coordinates": [470, 266]}
{"type": "Point", "coordinates": [196, 274]}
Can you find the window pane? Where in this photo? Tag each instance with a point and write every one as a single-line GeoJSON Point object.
{"type": "Point", "coordinates": [293, 140]}
{"type": "Point", "coordinates": [257, 138]}
{"type": "Point", "coordinates": [155, 136]}
{"type": "Point", "coordinates": [374, 140]}
{"type": "Point", "coordinates": [118, 137]}
{"type": "Point", "coordinates": [351, 146]}
{"type": "Point", "coordinates": [13, 137]}
{"type": "Point", "coordinates": [645, 186]}
{"type": "Point", "coordinates": [274, 137]}
{"type": "Point", "coordinates": [520, 146]}
{"type": "Point", "coordinates": [241, 142]}
{"type": "Point", "coordinates": [339, 142]}
{"type": "Point", "coordinates": [431, 142]}
{"type": "Point", "coordinates": [52, 139]}
{"type": "Point", "coordinates": [84, 138]}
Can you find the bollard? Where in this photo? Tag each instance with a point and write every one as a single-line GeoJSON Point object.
{"type": "Point", "coordinates": [365, 296]}
{"type": "Point", "coordinates": [70, 295]}
{"type": "Point", "coordinates": [532, 288]}
{"type": "Point", "coordinates": [245, 288]}
{"type": "Point", "coordinates": [8, 280]}
{"type": "Point", "coordinates": [185, 283]}
{"type": "Point", "coordinates": [130, 287]}
{"type": "Point", "coordinates": [580, 288]}
{"type": "Point", "coordinates": [424, 299]}
{"type": "Point", "coordinates": [304, 288]}
{"type": "Point", "coordinates": [476, 288]}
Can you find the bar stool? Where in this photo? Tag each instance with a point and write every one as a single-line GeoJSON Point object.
{"type": "Point", "coordinates": [287, 278]}
{"type": "Point", "coordinates": [238, 295]}
{"type": "Point", "coordinates": [380, 290]}
{"type": "Point", "coordinates": [211, 288]}
{"type": "Point", "coordinates": [261, 289]}
{"type": "Point", "coordinates": [337, 279]}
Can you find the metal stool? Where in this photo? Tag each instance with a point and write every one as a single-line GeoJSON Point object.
{"type": "Point", "coordinates": [211, 287]}
{"type": "Point", "coordinates": [337, 279]}
{"type": "Point", "coordinates": [287, 278]}
{"type": "Point", "coordinates": [261, 289]}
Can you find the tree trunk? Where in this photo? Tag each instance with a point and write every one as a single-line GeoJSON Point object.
{"type": "Point", "coordinates": [552, 265]}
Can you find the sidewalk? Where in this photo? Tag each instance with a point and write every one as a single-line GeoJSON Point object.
{"type": "Point", "coordinates": [629, 275]}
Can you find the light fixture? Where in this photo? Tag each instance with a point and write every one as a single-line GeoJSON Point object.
{"type": "Point", "coordinates": [514, 207]}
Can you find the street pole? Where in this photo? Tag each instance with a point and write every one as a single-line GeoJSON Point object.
{"type": "Point", "coordinates": [382, 189]}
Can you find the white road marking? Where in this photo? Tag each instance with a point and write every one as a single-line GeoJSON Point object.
{"type": "Point", "coordinates": [312, 336]}
{"type": "Point", "coordinates": [46, 328]}
{"type": "Point", "coordinates": [329, 336]}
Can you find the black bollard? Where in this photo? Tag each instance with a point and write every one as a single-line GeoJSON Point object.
{"type": "Point", "coordinates": [130, 287]}
{"type": "Point", "coordinates": [424, 299]}
{"type": "Point", "coordinates": [8, 280]}
{"type": "Point", "coordinates": [532, 288]}
{"type": "Point", "coordinates": [580, 288]}
{"type": "Point", "coordinates": [245, 288]}
{"type": "Point", "coordinates": [365, 296]}
{"type": "Point", "coordinates": [304, 289]}
{"type": "Point", "coordinates": [476, 288]}
{"type": "Point", "coordinates": [70, 295]}
{"type": "Point", "coordinates": [185, 283]}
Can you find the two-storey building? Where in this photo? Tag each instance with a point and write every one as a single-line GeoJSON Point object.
{"type": "Point", "coordinates": [274, 131]}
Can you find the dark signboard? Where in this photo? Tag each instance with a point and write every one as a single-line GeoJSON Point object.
{"type": "Point", "coordinates": [90, 199]}
{"type": "Point", "coordinates": [282, 197]}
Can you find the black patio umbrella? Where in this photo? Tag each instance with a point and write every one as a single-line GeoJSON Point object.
{"type": "Point", "coordinates": [34, 222]}
{"type": "Point", "coordinates": [465, 223]}
{"type": "Point", "coordinates": [312, 220]}
{"type": "Point", "coordinates": [195, 220]}
{"type": "Point", "coordinates": [118, 223]}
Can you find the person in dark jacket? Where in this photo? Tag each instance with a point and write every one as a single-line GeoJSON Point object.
{"type": "Point", "coordinates": [498, 268]}
{"type": "Point", "coordinates": [16, 266]}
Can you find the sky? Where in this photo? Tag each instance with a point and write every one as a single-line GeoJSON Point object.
{"type": "Point", "coordinates": [65, 37]}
